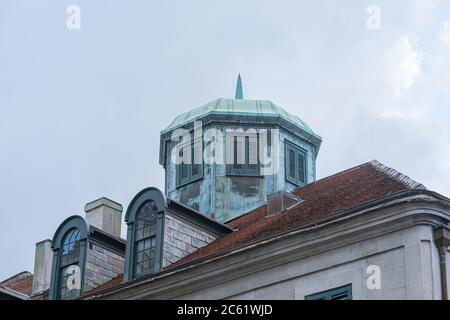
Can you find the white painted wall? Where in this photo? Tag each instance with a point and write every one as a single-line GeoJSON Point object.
{"type": "Point", "coordinates": [408, 261]}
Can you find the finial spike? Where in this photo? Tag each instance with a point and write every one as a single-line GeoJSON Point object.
{"type": "Point", "coordinates": [239, 91]}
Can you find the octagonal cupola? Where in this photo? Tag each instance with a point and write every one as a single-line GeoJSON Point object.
{"type": "Point", "coordinates": [224, 158]}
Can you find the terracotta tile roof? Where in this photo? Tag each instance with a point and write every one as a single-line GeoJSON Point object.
{"type": "Point", "coordinates": [321, 199]}
{"type": "Point", "coordinates": [22, 283]}
{"type": "Point", "coordinates": [111, 283]}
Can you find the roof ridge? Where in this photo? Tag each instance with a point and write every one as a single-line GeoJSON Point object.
{"type": "Point", "coordinates": [333, 175]}
{"type": "Point", "coordinates": [396, 175]}
{"type": "Point", "coordinates": [17, 277]}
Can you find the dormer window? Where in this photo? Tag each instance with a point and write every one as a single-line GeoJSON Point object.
{"type": "Point", "coordinates": [145, 243]}
{"type": "Point", "coordinates": [69, 246]}
{"type": "Point", "coordinates": [145, 220]}
{"type": "Point", "coordinates": [69, 283]}
{"type": "Point", "coordinates": [85, 256]}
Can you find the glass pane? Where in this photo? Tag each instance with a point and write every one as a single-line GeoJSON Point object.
{"type": "Point", "coordinates": [147, 244]}
{"type": "Point", "coordinates": [147, 255]}
{"type": "Point", "coordinates": [140, 246]}
{"type": "Point", "coordinates": [147, 232]}
{"type": "Point", "coordinates": [291, 171]}
{"type": "Point", "coordinates": [196, 170]}
{"type": "Point", "coordinates": [184, 172]}
{"type": "Point", "coordinates": [235, 151]}
{"type": "Point", "coordinates": [252, 151]}
{"type": "Point", "coordinates": [139, 234]}
{"type": "Point", "coordinates": [138, 268]}
{"type": "Point", "coordinates": [139, 223]}
{"type": "Point", "coordinates": [64, 291]}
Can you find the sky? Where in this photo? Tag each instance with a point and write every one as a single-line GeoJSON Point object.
{"type": "Point", "coordinates": [81, 109]}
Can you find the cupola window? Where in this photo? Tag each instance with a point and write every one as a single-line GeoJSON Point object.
{"type": "Point", "coordinates": [242, 156]}
{"type": "Point", "coordinates": [191, 168]}
{"type": "Point", "coordinates": [295, 160]}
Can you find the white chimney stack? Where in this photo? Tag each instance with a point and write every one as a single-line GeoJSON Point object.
{"type": "Point", "coordinates": [105, 215]}
{"type": "Point", "coordinates": [42, 266]}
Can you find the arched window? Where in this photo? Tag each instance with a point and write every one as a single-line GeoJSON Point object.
{"type": "Point", "coordinates": [69, 258]}
{"type": "Point", "coordinates": [145, 241]}
{"type": "Point", "coordinates": [69, 274]}
{"type": "Point", "coordinates": [145, 221]}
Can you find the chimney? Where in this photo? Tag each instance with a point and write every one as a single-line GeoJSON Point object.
{"type": "Point", "coordinates": [42, 266]}
{"type": "Point", "coordinates": [105, 215]}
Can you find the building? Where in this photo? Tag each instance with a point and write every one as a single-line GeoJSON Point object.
{"type": "Point", "coordinates": [224, 191]}
{"type": "Point", "coordinates": [223, 230]}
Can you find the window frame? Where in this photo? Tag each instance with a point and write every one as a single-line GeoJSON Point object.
{"type": "Point", "coordinates": [298, 151]}
{"type": "Point", "coordinates": [180, 182]}
{"type": "Point", "coordinates": [58, 247]}
{"type": "Point", "coordinates": [131, 216]}
{"type": "Point", "coordinates": [152, 237]}
{"type": "Point", "coordinates": [330, 293]}
{"type": "Point", "coordinates": [74, 259]}
{"type": "Point", "coordinates": [245, 171]}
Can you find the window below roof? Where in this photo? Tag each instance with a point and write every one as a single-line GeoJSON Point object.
{"type": "Point", "coordinates": [244, 160]}
{"type": "Point", "coordinates": [145, 238]}
{"type": "Point", "coordinates": [340, 293]}
{"type": "Point", "coordinates": [295, 164]}
{"type": "Point", "coordinates": [192, 170]}
{"type": "Point", "coordinates": [145, 220]}
{"type": "Point", "coordinates": [69, 270]}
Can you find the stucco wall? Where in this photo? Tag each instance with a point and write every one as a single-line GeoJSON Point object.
{"type": "Point", "coordinates": [408, 262]}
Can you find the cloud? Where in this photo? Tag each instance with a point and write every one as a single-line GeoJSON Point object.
{"type": "Point", "coordinates": [423, 10]}
{"type": "Point", "coordinates": [405, 65]}
{"type": "Point", "coordinates": [444, 34]}
{"type": "Point", "coordinates": [418, 148]}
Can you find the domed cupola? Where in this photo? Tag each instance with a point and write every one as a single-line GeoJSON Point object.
{"type": "Point", "coordinates": [223, 158]}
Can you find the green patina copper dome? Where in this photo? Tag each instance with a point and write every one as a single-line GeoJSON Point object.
{"type": "Point", "coordinates": [238, 107]}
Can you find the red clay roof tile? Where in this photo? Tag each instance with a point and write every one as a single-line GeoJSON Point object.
{"type": "Point", "coordinates": [321, 199]}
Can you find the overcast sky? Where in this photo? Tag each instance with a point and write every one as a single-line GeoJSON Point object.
{"type": "Point", "coordinates": [81, 110]}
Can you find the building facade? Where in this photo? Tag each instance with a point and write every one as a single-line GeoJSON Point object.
{"type": "Point", "coordinates": [224, 230]}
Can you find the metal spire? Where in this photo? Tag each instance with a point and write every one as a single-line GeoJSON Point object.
{"type": "Point", "coordinates": [239, 92]}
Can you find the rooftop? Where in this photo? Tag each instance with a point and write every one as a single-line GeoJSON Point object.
{"type": "Point", "coordinates": [19, 285]}
{"type": "Point", "coordinates": [321, 199]}
{"type": "Point", "coordinates": [239, 107]}
{"type": "Point", "coordinates": [353, 190]}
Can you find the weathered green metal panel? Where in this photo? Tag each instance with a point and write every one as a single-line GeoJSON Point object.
{"type": "Point", "coordinates": [236, 108]}
{"type": "Point", "coordinates": [239, 92]}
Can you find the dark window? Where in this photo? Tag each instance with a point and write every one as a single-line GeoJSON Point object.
{"type": "Point", "coordinates": [245, 163]}
{"type": "Point", "coordinates": [70, 256]}
{"type": "Point", "coordinates": [145, 240]}
{"type": "Point", "coordinates": [341, 293]}
{"type": "Point", "coordinates": [189, 172]}
{"type": "Point", "coordinates": [295, 165]}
